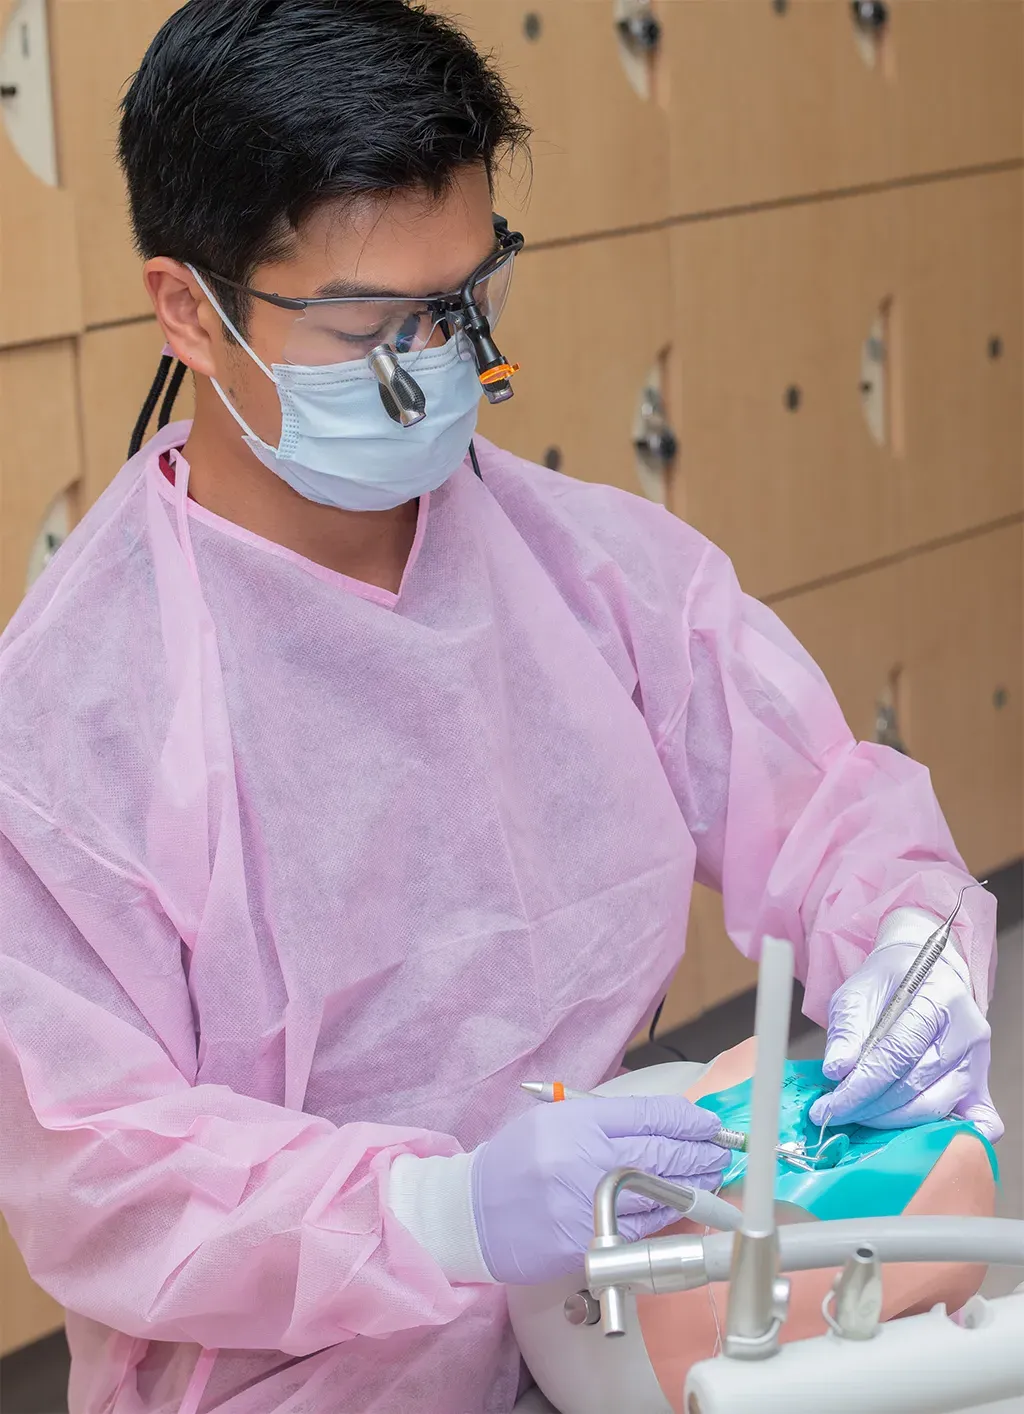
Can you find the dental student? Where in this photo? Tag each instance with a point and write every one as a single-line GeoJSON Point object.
{"type": "Point", "coordinates": [353, 770]}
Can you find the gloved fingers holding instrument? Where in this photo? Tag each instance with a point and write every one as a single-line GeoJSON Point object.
{"type": "Point", "coordinates": [526, 1203]}
{"type": "Point", "coordinates": [932, 1063]}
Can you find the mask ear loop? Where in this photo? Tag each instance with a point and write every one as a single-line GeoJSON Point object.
{"type": "Point", "coordinates": [228, 324]}
{"type": "Point", "coordinates": [251, 352]}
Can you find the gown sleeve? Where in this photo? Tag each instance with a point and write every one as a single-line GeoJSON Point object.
{"type": "Point", "coordinates": [163, 1208]}
{"type": "Point", "coordinates": [807, 833]}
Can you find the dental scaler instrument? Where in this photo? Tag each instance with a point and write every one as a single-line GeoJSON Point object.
{"type": "Point", "coordinates": [552, 1092]}
{"type": "Point", "coordinates": [827, 1154]}
{"type": "Point", "coordinates": [917, 974]}
{"type": "Point", "coordinates": [914, 978]}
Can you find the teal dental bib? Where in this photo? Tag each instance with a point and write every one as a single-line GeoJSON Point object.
{"type": "Point", "coordinates": [878, 1174]}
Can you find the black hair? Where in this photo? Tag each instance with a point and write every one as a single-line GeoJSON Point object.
{"type": "Point", "coordinates": [246, 115]}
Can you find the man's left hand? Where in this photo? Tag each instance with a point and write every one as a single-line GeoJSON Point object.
{"type": "Point", "coordinates": [934, 1062]}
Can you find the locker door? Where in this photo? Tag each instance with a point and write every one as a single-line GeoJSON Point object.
{"type": "Point", "coordinates": [956, 89]}
{"type": "Point", "coordinates": [854, 631]}
{"type": "Point", "coordinates": [965, 688]}
{"type": "Point", "coordinates": [588, 323]}
{"type": "Point", "coordinates": [40, 295]}
{"type": "Point", "coordinates": [783, 447]}
{"type": "Point", "coordinates": [97, 47]}
{"type": "Point", "coordinates": [115, 370]}
{"type": "Point", "coordinates": [768, 100]}
{"type": "Point", "coordinates": [600, 140]}
{"type": "Point", "coordinates": [39, 463]}
{"type": "Point", "coordinates": [26, 1313]}
{"type": "Point", "coordinates": [959, 307]}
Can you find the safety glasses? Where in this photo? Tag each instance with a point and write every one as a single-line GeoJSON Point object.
{"type": "Point", "coordinates": [327, 332]}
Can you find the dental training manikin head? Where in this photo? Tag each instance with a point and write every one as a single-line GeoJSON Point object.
{"type": "Point", "coordinates": [941, 1169]}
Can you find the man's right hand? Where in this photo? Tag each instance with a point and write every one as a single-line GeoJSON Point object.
{"type": "Point", "coordinates": [534, 1182]}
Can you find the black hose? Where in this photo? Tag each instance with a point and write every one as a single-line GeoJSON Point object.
{"type": "Point", "coordinates": [149, 406]}
{"type": "Point", "coordinates": [171, 396]}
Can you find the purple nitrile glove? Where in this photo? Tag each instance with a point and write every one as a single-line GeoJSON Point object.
{"type": "Point", "coordinates": [534, 1182]}
{"type": "Point", "coordinates": [934, 1062]}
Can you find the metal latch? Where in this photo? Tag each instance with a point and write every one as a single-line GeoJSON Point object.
{"type": "Point", "coordinates": [887, 728]}
{"type": "Point", "coordinates": [55, 529]}
{"type": "Point", "coordinates": [640, 28]}
{"type": "Point", "coordinates": [873, 378]}
{"type": "Point", "coordinates": [655, 441]}
{"type": "Point", "coordinates": [870, 15]}
{"type": "Point", "coordinates": [639, 32]}
{"type": "Point", "coordinates": [25, 88]}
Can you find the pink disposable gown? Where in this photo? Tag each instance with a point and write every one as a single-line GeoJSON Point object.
{"type": "Point", "coordinates": [297, 876]}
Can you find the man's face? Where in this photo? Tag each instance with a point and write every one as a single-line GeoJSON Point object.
{"type": "Point", "coordinates": [407, 244]}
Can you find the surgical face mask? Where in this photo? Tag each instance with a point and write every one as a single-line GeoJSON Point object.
{"type": "Point", "coordinates": [338, 445]}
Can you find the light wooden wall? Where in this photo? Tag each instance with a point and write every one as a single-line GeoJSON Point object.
{"type": "Point", "coordinates": [729, 218]}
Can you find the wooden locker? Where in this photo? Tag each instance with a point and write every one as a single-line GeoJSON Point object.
{"type": "Point", "coordinates": [767, 101]}
{"type": "Point", "coordinates": [778, 460]}
{"type": "Point", "coordinates": [712, 971]}
{"type": "Point", "coordinates": [97, 47]}
{"type": "Point", "coordinates": [600, 144]}
{"type": "Point", "coordinates": [589, 324]}
{"type": "Point", "coordinates": [684, 1000]}
{"type": "Point", "coordinates": [40, 295]}
{"type": "Point", "coordinates": [39, 461]}
{"type": "Point", "coordinates": [116, 367]}
{"type": "Point", "coordinates": [854, 631]}
{"type": "Point", "coordinates": [956, 84]}
{"type": "Point", "coordinates": [958, 314]}
{"type": "Point", "coordinates": [26, 1313]}
{"type": "Point", "coordinates": [781, 98]}
{"type": "Point", "coordinates": [722, 970]}
{"type": "Point", "coordinates": [964, 607]}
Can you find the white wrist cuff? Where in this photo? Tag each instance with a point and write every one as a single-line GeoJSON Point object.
{"type": "Point", "coordinates": [914, 926]}
{"type": "Point", "coordinates": [433, 1200]}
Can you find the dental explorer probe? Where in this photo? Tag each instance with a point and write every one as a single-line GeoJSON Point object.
{"type": "Point", "coordinates": [553, 1091]}
{"type": "Point", "coordinates": [917, 974]}
{"type": "Point", "coordinates": [914, 978]}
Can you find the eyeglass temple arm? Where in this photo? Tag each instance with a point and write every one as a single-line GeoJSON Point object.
{"type": "Point", "coordinates": [494, 370]}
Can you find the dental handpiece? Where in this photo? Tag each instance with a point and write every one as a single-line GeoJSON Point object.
{"type": "Point", "coordinates": [917, 974]}
{"type": "Point", "coordinates": [553, 1091]}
